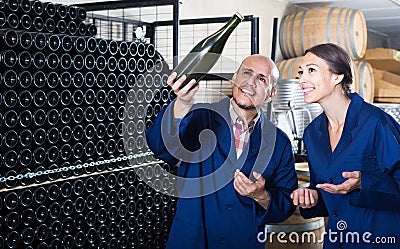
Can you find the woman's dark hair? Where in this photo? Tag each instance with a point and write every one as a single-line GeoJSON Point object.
{"type": "Point", "coordinates": [338, 60]}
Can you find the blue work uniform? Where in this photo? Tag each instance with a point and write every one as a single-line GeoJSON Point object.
{"type": "Point", "coordinates": [210, 213]}
{"type": "Point", "coordinates": [366, 217]}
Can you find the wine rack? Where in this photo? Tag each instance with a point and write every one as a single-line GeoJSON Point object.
{"type": "Point", "coordinates": [74, 106]}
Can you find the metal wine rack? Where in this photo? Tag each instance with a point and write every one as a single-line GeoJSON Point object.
{"type": "Point", "coordinates": [74, 106]}
{"type": "Point", "coordinates": [78, 87]}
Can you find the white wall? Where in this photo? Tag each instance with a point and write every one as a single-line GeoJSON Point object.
{"type": "Point", "coordinates": [266, 10]}
{"type": "Point", "coordinates": [394, 42]}
{"type": "Point", "coordinates": [377, 40]}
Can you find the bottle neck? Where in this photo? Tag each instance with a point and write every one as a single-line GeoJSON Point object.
{"type": "Point", "coordinates": [225, 30]}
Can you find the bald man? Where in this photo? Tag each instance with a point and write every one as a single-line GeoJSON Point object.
{"type": "Point", "coordinates": [235, 168]}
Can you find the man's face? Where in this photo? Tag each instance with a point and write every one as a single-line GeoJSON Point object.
{"type": "Point", "coordinates": [251, 83]}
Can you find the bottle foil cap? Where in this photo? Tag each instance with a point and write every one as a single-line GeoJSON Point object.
{"type": "Point", "coordinates": [239, 15]}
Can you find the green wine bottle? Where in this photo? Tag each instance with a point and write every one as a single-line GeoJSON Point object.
{"type": "Point", "coordinates": [206, 53]}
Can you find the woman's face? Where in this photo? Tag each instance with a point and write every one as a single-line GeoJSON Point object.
{"type": "Point", "coordinates": [315, 79]}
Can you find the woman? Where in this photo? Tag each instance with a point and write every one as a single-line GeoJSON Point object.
{"type": "Point", "coordinates": [354, 157]}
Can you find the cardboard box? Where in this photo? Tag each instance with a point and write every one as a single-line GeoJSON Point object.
{"type": "Point", "coordinates": [387, 87]}
{"type": "Point", "coordinates": [383, 59]}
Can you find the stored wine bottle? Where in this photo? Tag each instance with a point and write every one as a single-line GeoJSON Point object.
{"type": "Point", "coordinates": [82, 29]}
{"type": "Point", "coordinates": [81, 14]}
{"type": "Point", "coordinates": [91, 44]}
{"type": "Point", "coordinates": [61, 11]}
{"type": "Point", "coordinates": [26, 40]}
{"type": "Point", "coordinates": [13, 5]}
{"type": "Point", "coordinates": [72, 13]}
{"type": "Point", "coordinates": [38, 24]}
{"type": "Point", "coordinates": [10, 38]}
{"type": "Point", "coordinates": [102, 46]}
{"type": "Point", "coordinates": [61, 27]}
{"type": "Point", "coordinates": [3, 19]}
{"type": "Point", "coordinates": [40, 41]}
{"type": "Point", "coordinates": [25, 6]}
{"type": "Point", "coordinates": [26, 22]}
{"type": "Point", "coordinates": [37, 7]}
{"type": "Point", "coordinates": [39, 60]}
{"type": "Point", "coordinates": [49, 9]}
{"type": "Point", "coordinates": [72, 28]}
{"type": "Point", "coordinates": [54, 42]}
{"type": "Point", "coordinates": [123, 48]}
{"type": "Point", "coordinates": [206, 53]}
{"type": "Point", "coordinates": [66, 61]}
{"type": "Point", "coordinates": [12, 21]}
{"type": "Point", "coordinates": [50, 25]}
{"type": "Point", "coordinates": [80, 44]}
{"type": "Point", "coordinates": [9, 58]}
{"type": "Point", "coordinates": [25, 59]}
{"type": "Point", "coordinates": [91, 29]}
{"type": "Point", "coordinates": [67, 43]}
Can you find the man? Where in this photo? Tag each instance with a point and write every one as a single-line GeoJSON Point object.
{"type": "Point", "coordinates": [235, 168]}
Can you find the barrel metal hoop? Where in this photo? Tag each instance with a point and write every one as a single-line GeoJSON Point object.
{"type": "Point", "coordinates": [338, 32]}
{"type": "Point", "coordinates": [310, 226]}
{"type": "Point", "coordinates": [346, 32]}
{"type": "Point", "coordinates": [328, 25]}
{"type": "Point", "coordinates": [290, 71]}
{"type": "Point", "coordinates": [360, 79]}
{"type": "Point", "coordinates": [352, 37]}
{"type": "Point", "coordinates": [293, 42]}
{"type": "Point", "coordinates": [281, 42]}
{"type": "Point", "coordinates": [302, 172]}
{"type": "Point", "coordinates": [303, 17]}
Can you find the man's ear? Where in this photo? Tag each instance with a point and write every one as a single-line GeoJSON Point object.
{"type": "Point", "coordinates": [271, 95]}
{"type": "Point", "coordinates": [233, 79]}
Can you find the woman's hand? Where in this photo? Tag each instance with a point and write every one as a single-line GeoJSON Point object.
{"type": "Point", "coordinates": [304, 197]}
{"type": "Point", "coordinates": [353, 182]}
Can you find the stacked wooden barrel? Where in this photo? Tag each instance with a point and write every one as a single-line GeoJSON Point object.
{"type": "Point", "coordinates": [342, 26]}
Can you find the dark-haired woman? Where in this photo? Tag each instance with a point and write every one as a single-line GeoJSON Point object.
{"type": "Point", "coordinates": [354, 157]}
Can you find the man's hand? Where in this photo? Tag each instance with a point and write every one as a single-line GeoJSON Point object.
{"type": "Point", "coordinates": [255, 190]}
{"type": "Point", "coordinates": [353, 182]}
{"type": "Point", "coordinates": [184, 97]}
{"type": "Point", "coordinates": [304, 197]}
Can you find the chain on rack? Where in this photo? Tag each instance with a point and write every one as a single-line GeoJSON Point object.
{"type": "Point", "coordinates": [73, 167]}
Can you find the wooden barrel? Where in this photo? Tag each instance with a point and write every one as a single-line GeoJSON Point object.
{"type": "Point", "coordinates": [364, 82]}
{"type": "Point", "coordinates": [304, 29]}
{"type": "Point", "coordinates": [303, 176]}
{"type": "Point", "coordinates": [299, 233]}
{"type": "Point", "coordinates": [303, 172]}
{"type": "Point", "coordinates": [289, 69]}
